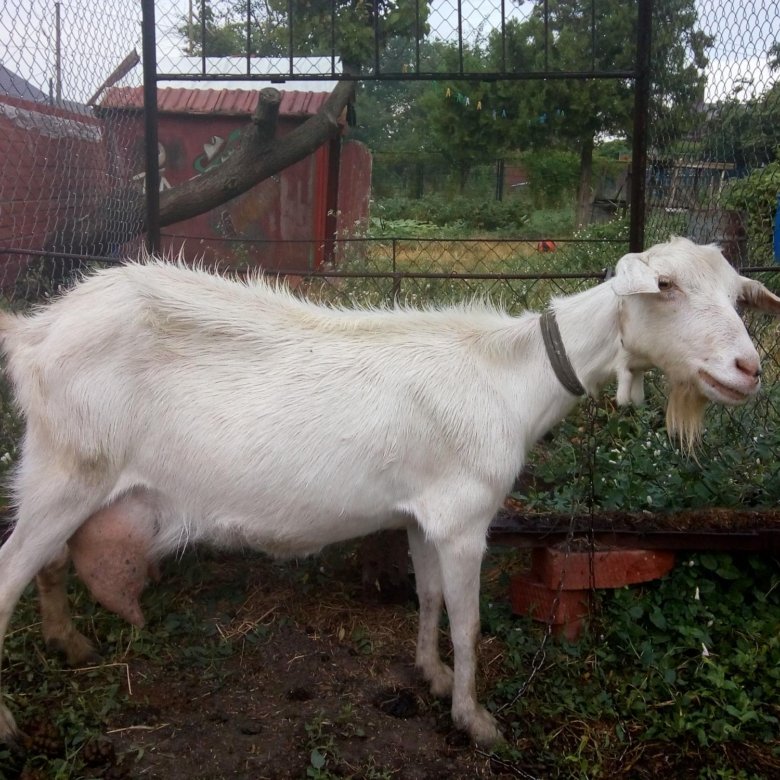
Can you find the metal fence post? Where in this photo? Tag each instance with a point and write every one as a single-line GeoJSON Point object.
{"type": "Point", "coordinates": [636, 234]}
{"type": "Point", "coordinates": [152, 176]}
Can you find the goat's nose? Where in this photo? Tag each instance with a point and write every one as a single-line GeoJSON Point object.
{"type": "Point", "coordinates": [749, 366]}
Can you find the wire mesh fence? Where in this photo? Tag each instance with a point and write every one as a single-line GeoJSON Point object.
{"type": "Point", "coordinates": [61, 176]}
{"type": "Point", "coordinates": [72, 146]}
{"type": "Point", "coordinates": [718, 180]}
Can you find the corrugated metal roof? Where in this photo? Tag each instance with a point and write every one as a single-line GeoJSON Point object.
{"type": "Point", "coordinates": [15, 86]}
{"type": "Point", "coordinates": [177, 100]}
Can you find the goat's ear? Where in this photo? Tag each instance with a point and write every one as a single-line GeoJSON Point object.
{"type": "Point", "coordinates": [633, 275]}
{"type": "Point", "coordinates": [753, 295]}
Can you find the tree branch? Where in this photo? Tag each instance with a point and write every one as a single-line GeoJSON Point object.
{"type": "Point", "coordinates": [259, 155]}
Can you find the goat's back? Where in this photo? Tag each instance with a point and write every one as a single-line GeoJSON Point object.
{"type": "Point", "coordinates": [226, 397]}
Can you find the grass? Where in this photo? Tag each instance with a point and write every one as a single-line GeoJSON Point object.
{"type": "Point", "coordinates": [639, 697]}
{"type": "Point", "coordinates": [678, 677]}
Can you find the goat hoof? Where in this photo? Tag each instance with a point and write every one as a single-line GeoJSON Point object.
{"type": "Point", "coordinates": [76, 652]}
{"type": "Point", "coordinates": [438, 675]}
{"type": "Point", "coordinates": [481, 726]}
{"type": "Point", "coordinates": [9, 733]}
{"type": "Point", "coordinates": [487, 736]}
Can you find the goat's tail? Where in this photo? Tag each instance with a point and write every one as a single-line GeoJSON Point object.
{"type": "Point", "coordinates": [9, 326]}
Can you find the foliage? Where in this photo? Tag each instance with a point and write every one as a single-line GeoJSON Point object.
{"type": "Point", "coordinates": [756, 196]}
{"type": "Point", "coordinates": [542, 179]}
{"type": "Point", "coordinates": [623, 459]}
{"type": "Point", "coordinates": [11, 427]}
{"type": "Point", "coordinates": [688, 662]}
{"type": "Point", "coordinates": [389, 113]}
{"type": "Point", "coordinates": [460, 122]}
{"type": "Point", "coordinates": [550, 223]}
{"type": "Point", "coordinates": [354, 28]}
{"type": "Point", "coordinates": [322, 733]}
{"type": "Point", "coordinates": [215, 30]}
{"type": "Point", "coordinates": [463, 214]}
{"type": "Point", "coordinates": [490, 118]}
{"type": "Point", "coordinates": [746, 129]}
{"type": "Point", "coordinates": [552, 176]}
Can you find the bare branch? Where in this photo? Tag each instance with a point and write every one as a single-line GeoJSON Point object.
{"type": "Point", "coordinates": [259, 156]}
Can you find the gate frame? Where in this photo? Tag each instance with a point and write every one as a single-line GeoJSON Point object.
{"type": "Point", "coordinates": [640, 75]}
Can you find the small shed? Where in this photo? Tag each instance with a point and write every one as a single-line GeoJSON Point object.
{"type": "Point", "coordinates": [288, 222]}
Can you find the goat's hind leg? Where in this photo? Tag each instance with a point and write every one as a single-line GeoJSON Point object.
{"type": "Point", "coordinates": [51, 508]}
{"type": "Point", "coordinates": [427, 575]}
{"type": "Point", "coordinates": [59, 633]}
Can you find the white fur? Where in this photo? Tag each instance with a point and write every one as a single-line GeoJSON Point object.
{"type": "Point", "coordinates": [263, 420]}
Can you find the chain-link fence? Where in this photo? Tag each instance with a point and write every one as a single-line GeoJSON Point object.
{"type": "Point", "coordinates": [75, 156]}
{"type": "Point", "coordinates": [65, 186]}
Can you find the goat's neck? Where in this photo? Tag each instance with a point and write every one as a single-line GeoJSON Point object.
{"type": "Point", "coordinates": [589, 326]}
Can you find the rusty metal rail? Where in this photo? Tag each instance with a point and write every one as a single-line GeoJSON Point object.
{"type": "Point", "coordinates": [717, 530]}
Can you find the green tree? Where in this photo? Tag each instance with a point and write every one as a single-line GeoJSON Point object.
{"type": "Point", "coordinates": [353, 29]}
{"type": "Point", "coordinates": [749, 135]}
{"type": "Point", "coordinates": [755, 196]}
{"type": "Point", "coordinates": [463, 121]}
{"type": "Point", "coordinates": [747, 130]}
{"type": "Point", "coordinates": [390, 117]}
{"type": "Point", "coordinates": [575, 113]}
{"type": "Point", "coordinates": [213, 29]}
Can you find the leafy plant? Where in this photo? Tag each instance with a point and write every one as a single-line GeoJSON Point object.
{"type": "Point", "coordinates": [553, 175]}
{"type": "Point", "coordinates": [415, 217]}
{"type": "Point", "coordinates": [688, 662]}
{"type": "Point", "coordinates": [616, 458]}
{"type": "Point", "coordinates": [321, 734]}
{"type": "Point", "coordinates": [756, 196]}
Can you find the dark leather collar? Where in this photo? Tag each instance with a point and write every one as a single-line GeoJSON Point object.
{"type": "Point", "coordinates": [556, 352]}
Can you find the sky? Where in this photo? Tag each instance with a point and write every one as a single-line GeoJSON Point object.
{"type": "Point", "coordinates": [93, 43]}
{"type": "Point", "coordinates": [743, 31]}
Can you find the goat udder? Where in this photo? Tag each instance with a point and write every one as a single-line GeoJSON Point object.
{"type": "Point", "coordinates": [111, 555]}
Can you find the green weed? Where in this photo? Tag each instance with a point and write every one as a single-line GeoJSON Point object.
{"type": "Point", "coordinates": [691, 662]}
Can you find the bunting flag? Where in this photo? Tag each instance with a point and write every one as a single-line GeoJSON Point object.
{"type": "Point", "coordinates": [465, 100]}
{"type": "Point", "coordinates": [450, 93]}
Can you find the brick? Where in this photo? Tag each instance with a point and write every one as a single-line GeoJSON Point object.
{"type": "Point", "coordinates": [567, 610]}
{"type": "Point", "coordinates": [553, 566]}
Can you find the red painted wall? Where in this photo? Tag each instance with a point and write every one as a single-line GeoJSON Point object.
{"type": "Point", "coordinates": [291, 207]}
{"type": "Point", "coordinates": [53, 166]}
{"type": "Point", "coordinates": [354, 191]}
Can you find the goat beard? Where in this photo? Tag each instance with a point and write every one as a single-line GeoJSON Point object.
{"type": "Point", "coordinates": [685, 415]}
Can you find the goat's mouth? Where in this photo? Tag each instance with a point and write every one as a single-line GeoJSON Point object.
{"type": "Point", "coordinates": [723, 393]}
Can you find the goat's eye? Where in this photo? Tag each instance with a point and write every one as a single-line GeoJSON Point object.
{"type": "Point", "coordinates": [665, 283]}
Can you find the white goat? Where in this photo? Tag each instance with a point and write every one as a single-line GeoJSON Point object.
{"type": "Point", "coordinates": [166, 406]}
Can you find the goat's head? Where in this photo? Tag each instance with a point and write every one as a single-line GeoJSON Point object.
{"type": "Point", "coordinates": [678, 312]}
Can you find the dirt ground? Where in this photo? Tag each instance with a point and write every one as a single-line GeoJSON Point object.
{"type": "Point", "coordinates": [328, 689]}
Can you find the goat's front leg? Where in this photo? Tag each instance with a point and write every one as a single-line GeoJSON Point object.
{"type": "Point", "coordinates": [59, 633]}
{"type": "Point", "coordinates": [461, 561]}
{"type": "Point", "coordinates": [427, 575]}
